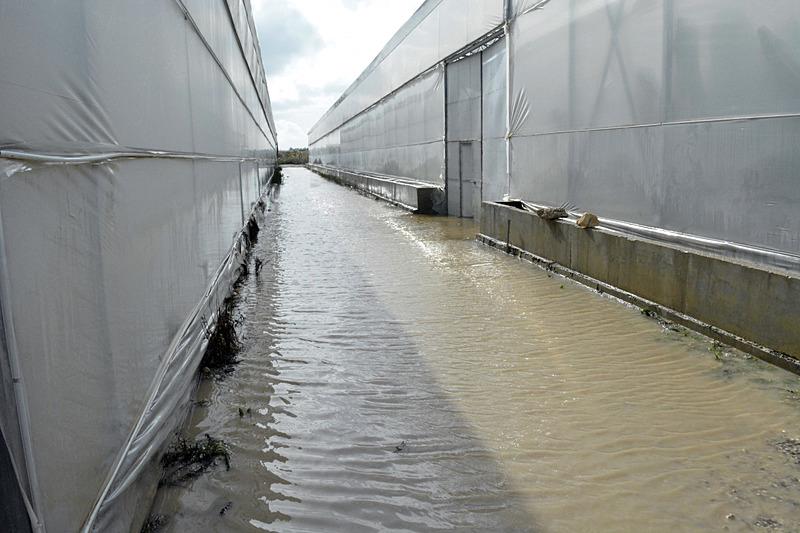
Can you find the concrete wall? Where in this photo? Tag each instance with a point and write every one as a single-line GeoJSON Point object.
{"type": "Point", "coordinates": [414, 196]}
{"type": "Point", "coordinates": [744, 300]}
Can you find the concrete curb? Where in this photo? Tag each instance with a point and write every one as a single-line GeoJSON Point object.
{"type": "Point", "coordinates": [751, 309]}
{"type": "Point", "coordinates": [416, 197]}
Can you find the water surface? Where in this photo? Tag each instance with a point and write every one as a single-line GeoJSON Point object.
{"type": "Point", "coordinates": [402, 377]}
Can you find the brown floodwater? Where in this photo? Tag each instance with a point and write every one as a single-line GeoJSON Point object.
{"type": "Point", "coordinates": [403, 377]}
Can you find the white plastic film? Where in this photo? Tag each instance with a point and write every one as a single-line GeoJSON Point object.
{"type": "Point", "coordinates": [438, 29]}
{"type": "Point", "coordinates": [136, 139]}
{"type": "Point", "coordinates": [402, 136]}
{"type": "Point", "coordinates": [494, 122]}
{"type": "Point", "coordinates": [675, 114]}
{"type": "Point", "coordinates": [464, 136]}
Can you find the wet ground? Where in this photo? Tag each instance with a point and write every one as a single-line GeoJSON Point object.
{"type": "Point", "coordinates": [402, 377]}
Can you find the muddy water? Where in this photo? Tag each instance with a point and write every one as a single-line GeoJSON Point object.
{"type": "Point", "coordinates": [402, 377]}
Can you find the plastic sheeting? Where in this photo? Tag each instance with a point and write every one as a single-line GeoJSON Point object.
{"type": "Point", "coordinates": [679, 115]}
{"type": "Point", "coordinates": [135, 139]}
{"type": "Point", "coordinates": [495, 123]}
{"type": "Point", "coordinates": [464, 136]}
{"type": "Point", "coordinates": [438, 29]}
{"type": "Point", "coordinates": [400, 136]}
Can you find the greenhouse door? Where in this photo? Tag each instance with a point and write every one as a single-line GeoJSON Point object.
{"type": "Point", "coordinates": [464, 137]}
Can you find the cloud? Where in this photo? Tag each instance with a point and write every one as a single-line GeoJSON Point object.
{"type": "Point", "coordinates": [292, 134]}
{"type": "Point", "coordinates": [314, 49]}
{"type": "Point", "coordinates": [285, 34]}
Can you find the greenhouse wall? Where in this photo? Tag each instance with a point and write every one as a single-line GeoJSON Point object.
{"type": "Point", "coordinates": [135, 140]}
{"type": "Point", "coordinates": [676, 118]}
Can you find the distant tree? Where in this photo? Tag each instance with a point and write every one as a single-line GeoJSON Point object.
{"type": "Point", "coordinates": [293, 156]}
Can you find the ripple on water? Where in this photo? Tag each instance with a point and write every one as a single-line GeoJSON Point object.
{"type": "Point", "coordinates": [402, 377]}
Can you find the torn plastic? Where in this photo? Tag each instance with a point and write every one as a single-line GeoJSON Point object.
{"type": "Point", "coordinates": [135, 140]}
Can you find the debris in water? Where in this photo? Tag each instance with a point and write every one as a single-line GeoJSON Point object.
{"type": "Point", "coordinates": [244, 271]}
{"type": "Point", "coordinates": [649, 313]}
{"type": "Point", "coordinates": [790, 447]}
{"type": "Point", "coordinates": [717, 349]}
{"type": "Point", "coordinates": [223, 344]}
{"type": "Point", "coordinates": [277, 176]}
{"type": "Point", "coordinates": [154, 523]}
{"type": "Point", "coordinates": [562, 287]}
{"type": "Point", "coordinates": [241, 412]}
{"type": "Point", "coordinates": [252, 230]}
{"type": "Point", "coordinates": [400, 447]}
{"type": "Point", "coordinates": [186, 460]}
{"type": "Point", "coordinates": [249, 412]}
{"type": "Point", "coordinates": [767, 522]}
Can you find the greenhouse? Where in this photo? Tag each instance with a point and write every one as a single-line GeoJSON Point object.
{"type": "Point", "coordinates": [136, 139]}
{"type": "Point", "coordinates": [672, 118]}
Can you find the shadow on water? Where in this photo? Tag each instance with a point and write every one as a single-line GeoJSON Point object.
{"type": "Point", "coordinates": [333, 419]}
{"type": "Point", "coordinates": [396, 375]}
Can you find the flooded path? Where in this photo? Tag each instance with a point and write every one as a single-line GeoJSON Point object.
{"type": "Point", "coordinates": [402, 377]}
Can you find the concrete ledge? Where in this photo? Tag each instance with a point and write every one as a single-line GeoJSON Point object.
{"type": "Point", "coordinates": [415, 196]}
{"type": "Point", "coordinates": [753, 309]}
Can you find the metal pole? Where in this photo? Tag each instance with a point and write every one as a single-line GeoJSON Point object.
{"type": "Point", "coordinates": [445, 166]}
{"type": "Point", "coordinates": [509, 94]}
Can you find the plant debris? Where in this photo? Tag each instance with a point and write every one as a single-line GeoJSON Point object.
{"type": "Point", "coordinates": [252, 230]}
{"type": "Point", "coordinates": [186, 460]}
{"type": "Point", "coordinates": [552, 213]}
{"type": "Point", "coordinates": [223, 344]}
{"type": "Point", "coordinates": [154, 523]}
{"type": "Point", "coordinates": [225, 508]}
{"type": "Point", "coordinates": [790, 447]}
{"type": "Point", "coordinates": [717, 348]}
{"type": "Point", "coordinates": [649, 313]}
{"type": "Point", "coordinates": [766, 522]}
{"type": "Point", "coordinates": [277, 177]}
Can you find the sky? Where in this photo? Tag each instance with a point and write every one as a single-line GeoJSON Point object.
{"type": "Point", "coordinates": [314, 49]}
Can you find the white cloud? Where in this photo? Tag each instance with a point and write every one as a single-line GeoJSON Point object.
{"type": "Point", "coordinates": [335, 41]}
{"type": "Point", "coordinates": [292, 135]}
